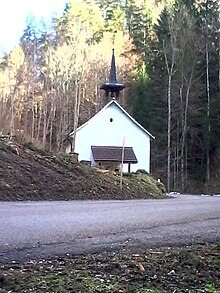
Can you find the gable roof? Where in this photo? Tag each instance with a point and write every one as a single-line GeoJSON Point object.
{"type": "Point", "coordinates": [123, 110]}
{"type": "Point", "coordinates": [113, 154]}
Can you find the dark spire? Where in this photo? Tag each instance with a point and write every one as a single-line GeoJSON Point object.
{"type": "Point", "coordinates": [112, 77]}
{"type": "Point", "coordinates": [112, 86]}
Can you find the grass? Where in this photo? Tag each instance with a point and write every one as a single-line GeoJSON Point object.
{"type": "Point", "coordinates": [144, 183]}
{"type": "Point", "coordinates": [193, 268]}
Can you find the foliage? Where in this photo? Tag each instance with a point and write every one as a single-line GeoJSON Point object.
{"type": "Point", "coordinates": [31, 146]}
{"type": "Point", "coordinates": [210, 288]}
{"type": "Point", "coordinates": [62, 159]}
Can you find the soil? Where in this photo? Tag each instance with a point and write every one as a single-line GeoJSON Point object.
{"type": "Point", "coordinates": [27, 173]}
{"type": "Point", "coordinates": [190, 269]}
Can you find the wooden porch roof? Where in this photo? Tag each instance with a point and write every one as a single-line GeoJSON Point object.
{"type": "Point", "coordinates": [113, 154]}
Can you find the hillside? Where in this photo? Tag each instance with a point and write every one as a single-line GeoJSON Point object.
{"type": "Point", "coordinates": [27, 173]}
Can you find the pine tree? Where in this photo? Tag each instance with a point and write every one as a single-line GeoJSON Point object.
{"type": "Point", "coordinates": [138, 23]}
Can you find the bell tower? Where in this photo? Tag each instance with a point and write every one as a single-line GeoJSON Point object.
{"type": "Point", "coordinates": [113, 87]}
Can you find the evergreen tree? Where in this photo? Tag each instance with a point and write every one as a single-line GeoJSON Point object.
{"type": "Point", "coordinates": [107, 8]}
{"type": "Point", "coordinates": [138, 22]}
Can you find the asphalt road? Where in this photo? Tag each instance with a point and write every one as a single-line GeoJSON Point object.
{"type": "Point", "coordinates": [30, 230]}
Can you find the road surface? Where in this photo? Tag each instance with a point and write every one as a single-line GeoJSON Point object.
{"type": "Point", "coordinates": [31, 230]}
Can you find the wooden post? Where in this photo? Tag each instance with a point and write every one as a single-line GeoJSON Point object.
{"type": "Point", "coordinates": [122, 161]}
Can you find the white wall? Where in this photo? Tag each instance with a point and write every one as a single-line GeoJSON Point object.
{"type": "Point", "coordinates": [99, 131]}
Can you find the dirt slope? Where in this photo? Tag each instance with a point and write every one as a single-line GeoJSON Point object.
{"type": "Point", "coordinates": [30, 174]}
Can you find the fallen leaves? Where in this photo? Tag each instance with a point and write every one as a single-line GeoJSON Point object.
{"type": "Point", "coordinates": [190, 268]}
{"type": "Point", "coordinates": [141, 267]}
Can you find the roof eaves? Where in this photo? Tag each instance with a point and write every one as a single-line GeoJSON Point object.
{"type": "Point", "coordinates": [87, 122]}
{"type": "Point", "coordinates": [123, 110]}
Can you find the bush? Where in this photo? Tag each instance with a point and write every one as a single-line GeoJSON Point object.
{"type": "Point", "coordinates": [141, 171]}
{"type": "Point", "coordinates": [62, 159]}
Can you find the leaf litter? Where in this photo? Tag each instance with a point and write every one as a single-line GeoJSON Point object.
{"type": "Point", "coordinates": [194, 268]}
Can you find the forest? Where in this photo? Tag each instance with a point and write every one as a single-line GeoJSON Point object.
{"type": "Point", "coordinates": [167, 55]}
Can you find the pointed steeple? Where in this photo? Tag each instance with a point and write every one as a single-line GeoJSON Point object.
{"type": "Point", "coordinates": [113, 86]}
{"type": "Point", "coordinates": [112, 77]}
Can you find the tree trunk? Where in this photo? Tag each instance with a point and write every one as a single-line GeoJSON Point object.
{"type": "Point", "coordinates": [208, 122]}
{"type": "Point", "coordinates": [170, 69]}
{"type": "Point", "coordinates": [169, 131]}
{"type": "Point", "coordinates": [184, 131]}
{"type": "Point", "coordinates": [44, 126]}
{"type": "Point", "coordinates": [39, 123]}
{"type": "Point", "coordinates": [75, 116]}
